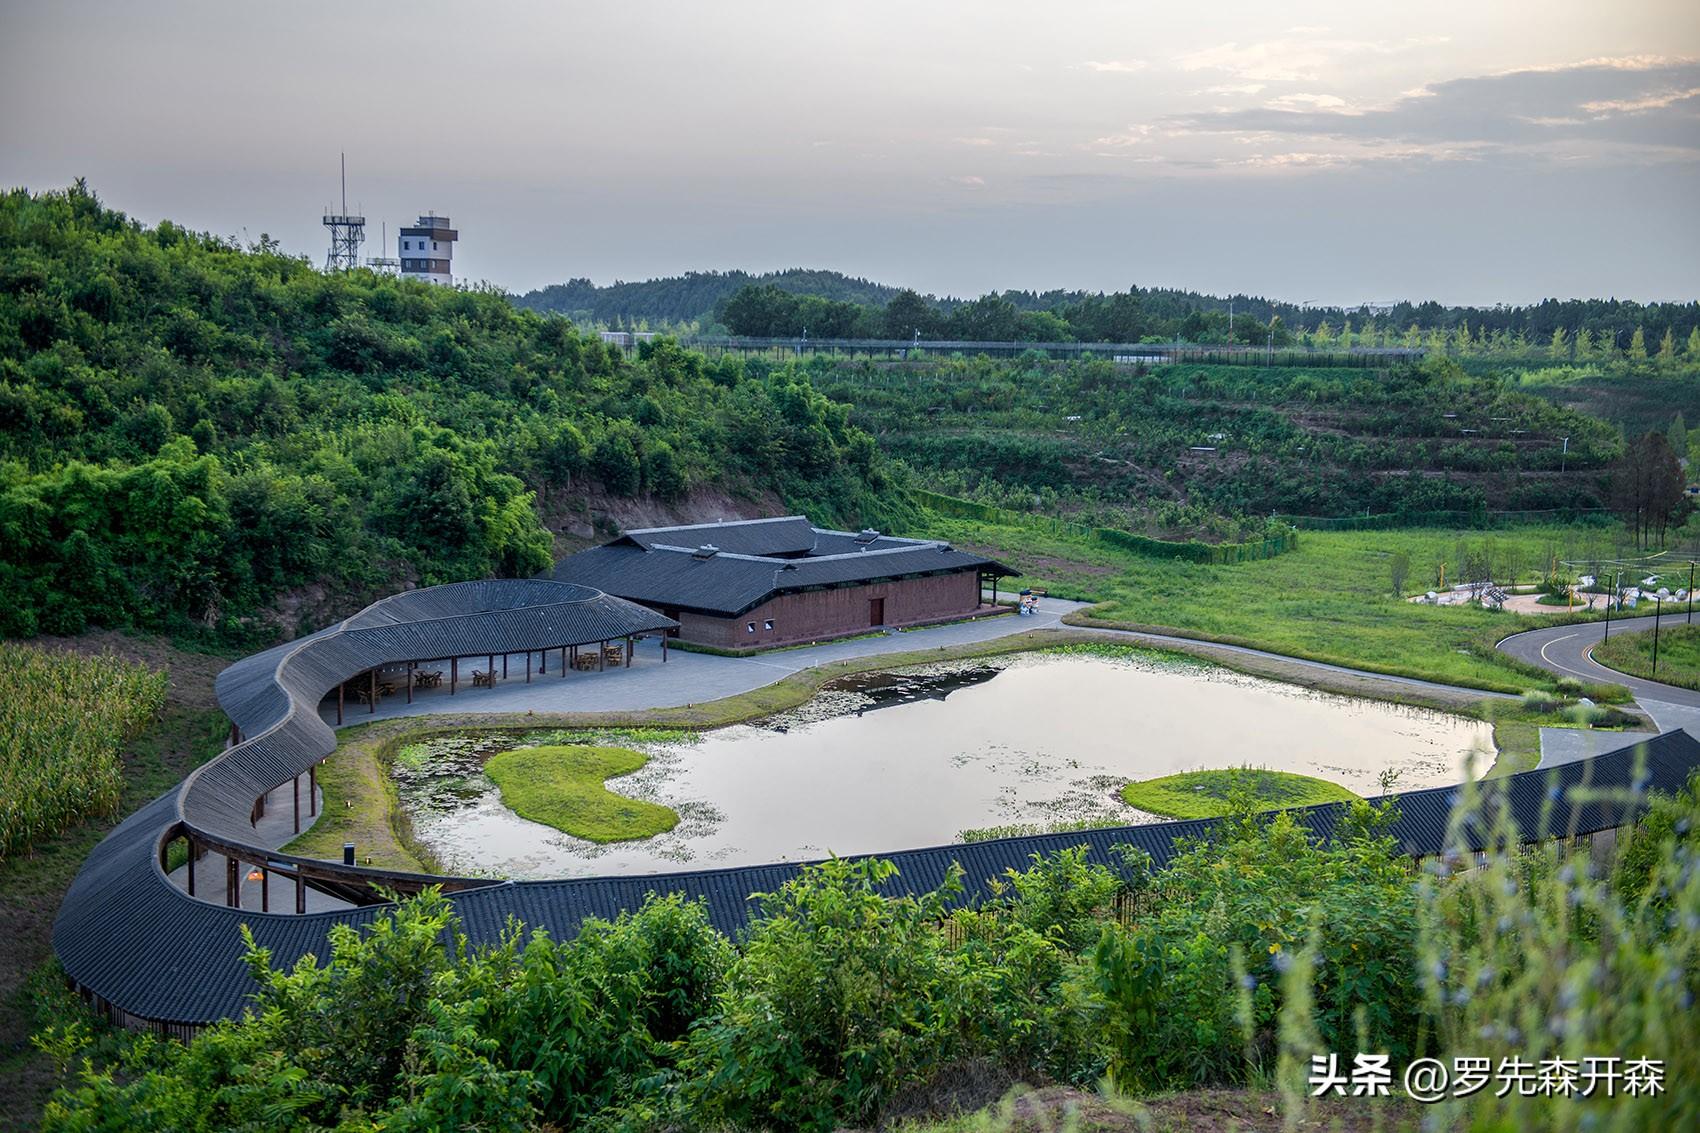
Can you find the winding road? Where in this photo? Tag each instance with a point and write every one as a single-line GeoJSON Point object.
{"type": "Point", "coordinates": [1567, 650]}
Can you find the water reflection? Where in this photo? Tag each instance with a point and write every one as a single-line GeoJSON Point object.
{"type": "Point", "coordinates": [1033, 738]}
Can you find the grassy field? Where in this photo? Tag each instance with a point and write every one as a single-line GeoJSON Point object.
{"type": "Point", "coordinates": [562, 785]}
{"type": "Point", "coordinates": [1207, 794]}
{"type": "Point", "coordinates": [183, 734]}
{"type": "Point", "coordinates": [1632, 653]}
{"type": "Point", "coordinates": [1330, 600]}
{"type": "Point", "coordinates": [63, 719]}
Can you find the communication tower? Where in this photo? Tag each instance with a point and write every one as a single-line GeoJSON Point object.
{"type": "Point", "coordinates": [384, 265]}
{"type": "Point", "coordinates": [348, 232]}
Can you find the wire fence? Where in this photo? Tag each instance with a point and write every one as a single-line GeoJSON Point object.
{"type": "Point", "coordinates": [1471, 518]}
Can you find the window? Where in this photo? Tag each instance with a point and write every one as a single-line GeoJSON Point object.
{"type": "Point", "coordinates": [750, 627]}
{"type": "Point", "coordinates": [433, 245]}
{"type": "Point", "coordinates": [768, 624]}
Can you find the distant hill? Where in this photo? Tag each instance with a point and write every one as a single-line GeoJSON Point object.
{"type": "Point", "coordinates": [692, 296]}
{"type": "Point", "coordinates": [1156, 312]}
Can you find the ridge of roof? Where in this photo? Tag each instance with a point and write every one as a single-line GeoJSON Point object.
{"type": "Point", "coordinates": [719, 523]}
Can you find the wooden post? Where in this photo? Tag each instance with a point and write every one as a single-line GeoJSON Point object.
{"type": "Point", "coordinates": [602, 657]}
{"type": "Point", "coordinates": [339, 689]}
{"type": "Point", "coordinates": [232, 886]}
{"type": "Point", "coordinates": [663, 647]}
{"type": "Point", "coordinates": [528, 666]}
{"type": "Point", "coordinates": [265, 890]}
{"type": "Point", "coordinates": [630, 643]}
{"type": "Point", "coordinates": [372, 695]}
{"type": "Point", "coordinates": [295, 794]}
{"type": "Point", "coordinates": [454, 673]}
{"type": "Point", "coordinates": [564, 659]}
{"type": "Point", "coordinates": [191, 842]}
{"type": "Point", "coordinates": [504, 666]}
{"type": "Point", "coordinates": [411, 667]}
{"type": "Point", "coordinates": [300, 890]}
{"type": "Point", "coordinates": [313, 789]}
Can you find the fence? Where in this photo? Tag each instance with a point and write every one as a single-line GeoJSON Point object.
{"type": "Point", "coordinates": [1191, 550]}
{"type": "Point", "coordinates": [1474, 518]}
{"type": "Point", "coordinates": [1128, 353]}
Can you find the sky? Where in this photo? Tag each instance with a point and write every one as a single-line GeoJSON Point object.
{"type": "Point", "coordinates": [1471, 151]}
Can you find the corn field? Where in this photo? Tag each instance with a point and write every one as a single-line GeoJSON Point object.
{"type": "Point", "coordinates": [63, 718]}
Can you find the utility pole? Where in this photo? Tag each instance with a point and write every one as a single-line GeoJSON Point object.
{"type": "Point", "coordinates": [1658, 608]}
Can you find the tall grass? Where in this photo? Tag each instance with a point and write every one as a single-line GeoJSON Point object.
{"type": "Point", "coordinates": [63, 718]}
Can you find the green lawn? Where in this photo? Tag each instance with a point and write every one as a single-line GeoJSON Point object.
{"type": "Point", "coordinates": [1632, 653]}
{"type": "Point", "coordinates": [1329, 600]}
{"type": "Point", "coordinates": [562, 786]}
{"type": "Point", "coordinates": [1207, 794]}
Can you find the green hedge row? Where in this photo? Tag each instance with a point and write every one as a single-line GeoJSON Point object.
{"type": "Point", "coordinates": [1190, 550]}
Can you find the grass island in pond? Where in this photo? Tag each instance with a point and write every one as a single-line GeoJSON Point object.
{"type": "Point", "coordinates": [1209, 794]}
{"type": "Point", "coordinates": [562, 786]}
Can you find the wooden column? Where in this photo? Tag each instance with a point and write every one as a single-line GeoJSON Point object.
{"type": "Point", "coordinates": [295, 796]}
{"type": "Point", "coordinates": [564, 659]}
{"type": "Point", "coordinates": [490, 667]}
{"type": "Point", "coordinates": [372, 695]}
{"type": "Point", "coordinates": [265, 890]}
{"type": "Point", "coordinates": [504, 666]}
{"type": "Point", "coordinates": [454, 673]}
{"type": "Point", "coordinates": [232, 884]}
{"type": "Point", "coordinates": [602, 657]}
{"type": "Point", "coordinates": [300, 891]}
{"type": "Point", "coordinates": [528, 666]}
{"type": "Point", "coordinates": [411, 667]}
{"type": "Point", "coordinates": [630, 644]}
{"type": "Point", "coordinates": [191, 842]}
{"type": "Point", "coordinates": [313, 789]}
{"type": "Point", "coordinates": [663, 647]}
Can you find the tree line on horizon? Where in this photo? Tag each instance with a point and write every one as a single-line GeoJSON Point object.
{"type": "Point", "coordinates": [827, 304]}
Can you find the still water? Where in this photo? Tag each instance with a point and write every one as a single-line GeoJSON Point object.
{"type": "Point", "coordinates": [911, 758]}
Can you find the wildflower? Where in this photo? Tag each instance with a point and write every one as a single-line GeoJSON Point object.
{"type": "Point", "coordinates": [1274, 948]}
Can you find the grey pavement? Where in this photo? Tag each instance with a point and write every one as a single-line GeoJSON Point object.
{"type": "Point", "coordinates": [275, 827]}
{"type": "Point", "coordinates": [685, 678]}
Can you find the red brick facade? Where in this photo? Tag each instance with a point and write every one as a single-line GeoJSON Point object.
{"type": "Point", "coordinates": [814, 615]}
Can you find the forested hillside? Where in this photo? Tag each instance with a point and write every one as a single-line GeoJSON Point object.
{"type": "Point", "coordinates": [189, 429]}
{"type": "Point", "coordinates": [680, 299]}
{"type": "Point", "coordinates": [1192, 449]}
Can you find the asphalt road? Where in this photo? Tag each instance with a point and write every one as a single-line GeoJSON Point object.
{"type": "Point", "coordinates": [1565, 650]}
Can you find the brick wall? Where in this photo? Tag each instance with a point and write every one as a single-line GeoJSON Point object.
{"type": "Point", "coordinates": [816, 614]}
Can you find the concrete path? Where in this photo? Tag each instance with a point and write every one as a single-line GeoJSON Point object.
{"type": "Point", "coordinates": [276, 827]}
{"type": "Point", "coordinates": [695, 678]}
{"type": "Point", "coordinates": [685, 678]}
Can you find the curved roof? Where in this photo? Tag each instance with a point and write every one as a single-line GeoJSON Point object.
{"type": "Point", "coordinates": [128, 935]}
{"type": "Point", "coordinates": [753, 560]}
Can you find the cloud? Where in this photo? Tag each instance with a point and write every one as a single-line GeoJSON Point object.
{"type": "Point", "coordinates": [1592, 108]}
{"type": "Point", "coordinates": [1310, 102]}
{"type": "Point", "coordinates": [1115, 66]}
{"type": "Point", "coordinates": [971, 181]}
{"type": "Point", "coordinates": [1235, 88]}
{"type": "Point", "coordinates": [1292, 58]}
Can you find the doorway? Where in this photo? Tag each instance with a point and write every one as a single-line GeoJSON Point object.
{"type": "Point", "coordinates": [876, 611]}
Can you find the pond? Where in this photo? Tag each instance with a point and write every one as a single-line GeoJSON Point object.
{"type": "Point", "coordinates": [914, 757]}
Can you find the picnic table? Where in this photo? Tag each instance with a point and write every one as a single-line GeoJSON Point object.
{"type": "Point", "coordinates": [423, 679]}
{"type": "Point", "coordinates": [584, 661]}
{"type": "Point", "coordinates": [481, 679]}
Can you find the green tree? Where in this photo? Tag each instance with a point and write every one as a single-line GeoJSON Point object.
{"type": "Point", "coordinates": [1638, 346]}
{"type": "Point", "coordinates": [1399, 567]}
{"type": "Point", "coordinates": [1559, 349]}
{"type": "Point", "coordinates": [1677, 435]}
{"type": "Point", "coordinates": [1667, 349]}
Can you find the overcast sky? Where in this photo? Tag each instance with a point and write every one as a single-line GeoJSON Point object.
{"type": "Point", "coordinates": [1466, 150]}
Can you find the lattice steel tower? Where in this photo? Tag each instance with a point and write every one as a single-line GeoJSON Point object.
{"type": "Point", "coordinates": [347, 232]}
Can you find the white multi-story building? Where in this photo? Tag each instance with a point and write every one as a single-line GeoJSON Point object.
{"type": "Point", "coordinates": [427, 250]}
